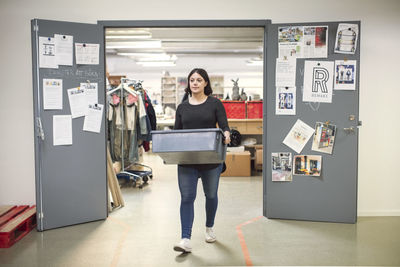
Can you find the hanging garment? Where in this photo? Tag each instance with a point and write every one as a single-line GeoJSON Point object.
{"type": "Point", "coordinates": [150, 111]}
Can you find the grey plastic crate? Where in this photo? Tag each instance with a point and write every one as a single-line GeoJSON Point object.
{"type": "Point", "coordinates": [194, 146]}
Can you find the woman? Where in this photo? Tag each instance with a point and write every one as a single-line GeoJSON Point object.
{"type": "Point", "coordinates": [200, 110]}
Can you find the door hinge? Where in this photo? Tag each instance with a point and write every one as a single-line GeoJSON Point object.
{"type": "Point", "coordinates": [36, 28]}
{"type": "Point", "coordinates": [40, 132]}
{"type": "Point", "coordinates": [40, 215]}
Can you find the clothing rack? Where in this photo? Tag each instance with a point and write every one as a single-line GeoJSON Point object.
{"type": "Point", "coordinates": [125, 86]}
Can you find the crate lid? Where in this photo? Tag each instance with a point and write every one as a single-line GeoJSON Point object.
{"type": "Point", "coordinates": [188, 131]}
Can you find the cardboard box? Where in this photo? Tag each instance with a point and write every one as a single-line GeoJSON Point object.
{"type": "Point", "coordinates": [237, 164]}
{"type": "Point", "coordinates": [258, 163]}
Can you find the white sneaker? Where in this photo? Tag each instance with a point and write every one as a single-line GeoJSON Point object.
{"type": "Point", "coordinates": [210, 235]}
{"type": "Point", "coordinates": [183, 246]}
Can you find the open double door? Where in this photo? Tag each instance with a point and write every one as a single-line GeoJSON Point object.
{"type": "Point", "coordinates": [71, 183]}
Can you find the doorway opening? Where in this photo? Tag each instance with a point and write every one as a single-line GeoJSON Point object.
{"type": "Point", "coordinates": [160, 58]}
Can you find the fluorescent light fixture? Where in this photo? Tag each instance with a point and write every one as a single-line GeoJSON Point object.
{"type": "Point", "coordinates": [142, 36]}
{"type": "Point", "coordinates": [156, 63]}
{"type": "Point", "coordinates": [138, 44]}
{"type": "Point", "coordinates": [157, 58]}
{"type": "Point", "coordinates": [127, 31]}
{"type": "Point", "coordinates": [137, 54]}
{"type": "Point", "coordinates": [254, 63]}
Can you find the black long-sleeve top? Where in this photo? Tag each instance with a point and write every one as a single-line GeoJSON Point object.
{"type": "Point", "coordinates": [204, 115]}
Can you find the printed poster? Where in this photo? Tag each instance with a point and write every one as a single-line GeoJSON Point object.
{"type": "Point", "coordinates": [298, 136]}
{"type": "Point", "coordinates": [324, 137]}
{"type": "Point", "coordinates": [307, 165]}
{"type": "Point", "coordinates": [345, 74]}
{"type": "Point", "coordinates": [281, 167]}
{"type": "Point", "coordinates": [318, 81]}
{"type": "Point", "coordinates": [346, 38]}
{"type": "Point", "coordinates": [315, 43]}
{"type": "Point", "coordinates": [290, 41]}
{"type": "Point", "coordinates": [285, 101]}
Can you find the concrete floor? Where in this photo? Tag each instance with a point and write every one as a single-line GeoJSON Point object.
{"type": "Point", "coordinates": [143, 233]}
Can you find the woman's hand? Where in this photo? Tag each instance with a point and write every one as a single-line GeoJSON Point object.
{"type": "Point", "coordinates": [227, 137]}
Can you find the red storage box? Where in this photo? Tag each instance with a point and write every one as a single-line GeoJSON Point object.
{"type": "Point", "coordinates": [254, 109]}
{"type": "Point", "coordinates": [235, 109]}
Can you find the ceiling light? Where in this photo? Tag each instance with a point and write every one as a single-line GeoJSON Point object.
{"type": "Point", "coordinates": [139, 44]}
{"type": "Point", "coordinates": [157, 58]}
{"type": "Point", "coordinates": [142, 36]}
{"type": "Point", "coordinates": [156, 63]}
{"type": "Point", "coordinates": [126, 31]}
{"type": "Point", "coordinates": [254, 63]}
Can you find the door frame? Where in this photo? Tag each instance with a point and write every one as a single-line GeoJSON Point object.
{"type": "Point", "coordinates": [211, 24]}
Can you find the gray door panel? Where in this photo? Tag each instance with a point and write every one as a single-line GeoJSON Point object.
{"type": "Point", "coordinates": [331, 197]}
{"type": "Point", "coordinates": [71, 185]}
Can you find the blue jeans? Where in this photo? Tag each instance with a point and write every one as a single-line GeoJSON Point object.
{"type": "Point", "coordinates": [187, 179]}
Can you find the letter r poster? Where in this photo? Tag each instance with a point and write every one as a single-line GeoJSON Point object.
{"type": "Point", "coordinates": [318, 81]}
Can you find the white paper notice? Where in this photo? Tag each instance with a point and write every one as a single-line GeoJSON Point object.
{"type": "Point", "coordinates": [87, 54]}
{"type": "Point", "coordinates": [346, 38]}
{"type": "Point", "coordinates": [62, 130]}
{"type": "Point", "coordinates": [318, 81]}
{"type": "Point", "coordinates": [64, 49]}
{"type": "Point", "coordinates": [91, 92]}
{"type": "Point", "coordinates": [285, 101]}
{"type": "Point", "coordinates": [315, 42]}
{"type": "Point", "coordinates": [77, 102]}
{"type": "Point", "coordinates": [52, 94]}
{"type": "Point", "coordinates": [290, 41]}
{"type": "Point", "coordinates": [345, 75]}
{"type": "Point", "coordinates": [47, 53]}
{"type": "Point", "coordinates": [298, 136]}
{"type": "Point", "coordinates": [285, 74]}
{"type": "Point", "coordinates": [93, 118]}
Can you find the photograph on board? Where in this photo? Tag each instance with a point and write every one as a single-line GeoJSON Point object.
{"type": "Point", "coordinates": [281, 166]}
{"type": "Point", "coordinates": [307, 165]}
{"type": "Point", "coordinates": [324, 137]}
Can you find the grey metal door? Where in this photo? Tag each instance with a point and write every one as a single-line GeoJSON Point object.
{"type": "Point", "coordinates": [332, 196]}
{"type": "Point", "coordinates": [71, 185]}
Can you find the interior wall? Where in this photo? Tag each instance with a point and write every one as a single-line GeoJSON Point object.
{"type": "Point", "coordinates": [378, 144]}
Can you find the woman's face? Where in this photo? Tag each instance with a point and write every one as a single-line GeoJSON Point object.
{"type": "Point", "coordinates": [197, 83]}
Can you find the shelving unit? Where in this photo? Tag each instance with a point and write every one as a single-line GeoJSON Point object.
{"type": "Point", "coordinates": [217, 84]}
{"type": "Point", "coordinates": [168, 91]}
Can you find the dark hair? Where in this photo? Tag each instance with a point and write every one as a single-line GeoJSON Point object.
{"type": "Point", "coordinates": [207, 90]}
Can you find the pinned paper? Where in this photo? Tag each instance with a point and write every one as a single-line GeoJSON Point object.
{"type": "Point", "coordinates": [62, 130]}
{"type": "Point", "coordinates": [285, 101]}
{"type": "Point", "coordinates": [87, 54]}
{"type": "Point", "coordinates": [345, 74]}
{"type": "Point", "coordinates": [47, 53]}
{"type": "Point", "coordinates": [93, 118]}
{"type": "Point", "coordinates": [285, 74]}
{"type": "Point", "coordinates": [318, 81]}
{"type": "Point", "coordinates": [298, 136]}
{"type": "Point", "coordinates": [52, 94]}
{"type": "Point", "coordinates": [77, 102]}
{"type": "Point", "coordinates": [346, 38]}
{"type": "Point", "coordinates": [91, 92]}
{"type": "Point", "coordinates": [64, 49]}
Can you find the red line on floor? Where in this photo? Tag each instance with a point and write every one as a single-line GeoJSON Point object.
{"type": "Point", "coordinates": [242, 241]}
{"type": "Point", "coordinates": [121, 242]}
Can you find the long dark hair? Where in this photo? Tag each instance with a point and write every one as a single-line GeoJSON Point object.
{"type": "Point", "coordinates": [207, 90]}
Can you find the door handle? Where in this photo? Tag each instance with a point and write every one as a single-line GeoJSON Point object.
{"type": "Point", "coordinates": [350, 130]}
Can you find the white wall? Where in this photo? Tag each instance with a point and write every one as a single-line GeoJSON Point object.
{"type": "Point", "coordinates": [379, 181]}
